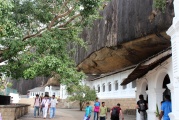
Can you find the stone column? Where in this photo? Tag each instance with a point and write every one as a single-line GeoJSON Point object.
{"type": "Point", "coordinates": [155, 96]}
{"type": "Point", "coordinates": [174, 86]}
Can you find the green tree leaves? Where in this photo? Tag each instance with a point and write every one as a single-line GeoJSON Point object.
{"type": "Point", "coordinates": [82, 93]}
{"type": "Point", "coordinates": [38, 37]}
{"type": "Point", "coordinates": [160, 5]}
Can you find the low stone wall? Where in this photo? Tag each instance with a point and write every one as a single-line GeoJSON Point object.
{"type": "Point", "coordinates": [29, 101]}
{"type": "Point", "coordinates": [14, 111]}
{"type": "Point", "coordinates": [127, 104]}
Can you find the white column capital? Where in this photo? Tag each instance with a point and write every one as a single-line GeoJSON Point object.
{"type": "Point", "coordinates": [170, 87]}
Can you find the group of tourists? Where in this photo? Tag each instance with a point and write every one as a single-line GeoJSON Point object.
{"type": "Point", "coordinates": [166, 108]}
{"type": "Point", "coordinates": [44, 105]}
{"type": "Point", "coordinates": [100, 111]}
{"type": "Point", "coordinates": [48, 104]}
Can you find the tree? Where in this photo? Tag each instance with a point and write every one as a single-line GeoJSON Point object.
{"type": "Point", "coordinates": [4, 83]}
{"type": "Point", "coordinates": [38, 37]}
{"type": "Point", "coordinates": [82, 93]}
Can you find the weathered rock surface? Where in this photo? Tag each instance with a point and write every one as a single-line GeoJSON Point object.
{"type": "Point", "coordinates": [126, 35]}
{"type": "Point", "coordinates": [24, 85]}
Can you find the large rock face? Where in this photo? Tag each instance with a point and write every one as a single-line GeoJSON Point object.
{"type": "Point", "coordinates": [23, 86]}
{"type": "Point", "coordinates": [127, 34]}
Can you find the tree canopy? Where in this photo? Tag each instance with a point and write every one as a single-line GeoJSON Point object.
{"type": "Point", "coordinates": [36, 36]}
{"type": "Point", "coordinates": [82, 93]}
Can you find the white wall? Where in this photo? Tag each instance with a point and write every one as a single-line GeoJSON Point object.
{"type": "Point", "coordinates": [129, 92]}
{"type": "Point", "coordinates": [63, 92]}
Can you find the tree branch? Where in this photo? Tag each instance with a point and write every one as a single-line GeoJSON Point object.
{"type": "Point", "coordinates": [60, 16]}
{"type": "Point", "coordinates": [64, 4]}
{"type": "Point", "coordinates": [36, 34]}
{"type": "Point", "coordinates": [69, 21]}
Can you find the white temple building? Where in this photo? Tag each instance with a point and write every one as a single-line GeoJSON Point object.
{"type": "Point", "coordinates": [51, 90]}
{"type": "Point", "coordinates": [109, 90]}
{"type": "Point", "coordinates": [108, 86]}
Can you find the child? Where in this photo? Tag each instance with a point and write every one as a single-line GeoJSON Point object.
{"type": "Point", "coordinates": [96, 109]}
{"type": "Point", "coordinates": [88, 111]}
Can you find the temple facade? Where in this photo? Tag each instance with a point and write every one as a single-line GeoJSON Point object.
{"type": "Point", "coordinates": [48, 90]}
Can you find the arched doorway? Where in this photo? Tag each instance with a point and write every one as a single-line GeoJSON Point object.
{"type": "Point", "coordinates": [143, 90]}
{"type": "Point", "coordinates": [165, 82]}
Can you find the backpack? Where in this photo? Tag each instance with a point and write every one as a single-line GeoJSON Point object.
{"type": "Point", "coordinates": [142, 105]}
{"type": "Point", "coordinates": [115, 112]}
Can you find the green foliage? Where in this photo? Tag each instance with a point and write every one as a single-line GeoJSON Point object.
{"type": "Point", "coordinates": [7, 24]}
{"type": "Point", "coordinates": [160, 5]}
{"type": "Point", "coordinates": [4, 84]}
{"type": "Point", "coordinates": [82, 93]}
{"type": "Point", "coordinates": [38, 37]}
{"type": "Point", "coordinates": [157, 113]}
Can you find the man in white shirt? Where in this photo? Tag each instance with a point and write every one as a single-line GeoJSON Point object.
{"type": "Point", "coordinates": [53, 104]}
{"type": "Point", "coordinates": [36, 105]}
{"type": "Point", "coordinates": [45, 105]}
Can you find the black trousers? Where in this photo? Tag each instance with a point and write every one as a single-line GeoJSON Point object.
{"type": "Point", "coordinates": [102, 118]}
{"type": "Point", "coordinates": [115, 118]}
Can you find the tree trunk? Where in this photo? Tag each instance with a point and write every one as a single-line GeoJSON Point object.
{"type": "Point", "coordinates": [81, 105]}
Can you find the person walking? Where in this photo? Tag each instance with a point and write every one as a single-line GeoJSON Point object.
{"type": "Point", "coordinates": [166, 108]}
{"type": "Point", "coordinates": [53, 103]}
{"type": "Point", "coordinates": [36, 105]}
{"type": "Point", "coordinates": [41, 98]}
{"type": "Point", "coordinates": [142, 106]}
{"type": "Point", "coordinates": [96, 109]}
{"type": "Point", "coordinates": [103, 112]}
{"type": "Point", "coordinates": [88, 111]}
{"type": "Point", "coordinates": [45, 105]}
{"type": "Point", "coordinates": [116, 113]}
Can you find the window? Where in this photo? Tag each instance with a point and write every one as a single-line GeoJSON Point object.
{"type": "Point", "coordinates": [124, 87]}
{"type": "Point", "coordinates": [103, 87]}
{"type": "Point", "coordinates": [116, 85]}
{"type": "Point", "coordinates": [98, 88]}
{"type": "Point", "coordinates": [133, 84]}
{"type": "Point", "coordinates": [109, 86]}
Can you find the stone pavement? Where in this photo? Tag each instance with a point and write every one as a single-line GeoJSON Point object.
{"type": "Point", "coordinates": [67, 114]}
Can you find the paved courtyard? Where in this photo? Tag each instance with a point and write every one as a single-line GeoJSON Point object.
{"type": "Point", "coordinates": [67, 114]}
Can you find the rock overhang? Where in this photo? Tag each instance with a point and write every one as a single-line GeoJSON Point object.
{"type": "Point", "coordinates": [127, 34]}
{"type": "Point", "coordinates": [109, 59]}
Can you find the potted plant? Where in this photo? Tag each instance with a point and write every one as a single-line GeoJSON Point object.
{"type": "Point", "coordinates": [157, 113]}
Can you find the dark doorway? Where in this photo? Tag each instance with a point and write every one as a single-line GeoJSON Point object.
{"type": "Point", "coordinates": [147, 95]}
{"type": "Point", "coordinates": [165, 82]}
{"type": "Point", "coordinates": [46, 93]}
